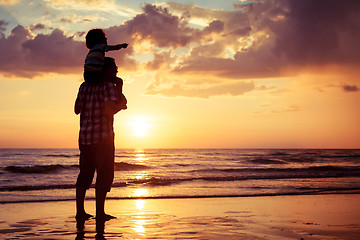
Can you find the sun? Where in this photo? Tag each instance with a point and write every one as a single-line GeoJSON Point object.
{"type": "Point", "coordinates": [140, 126]}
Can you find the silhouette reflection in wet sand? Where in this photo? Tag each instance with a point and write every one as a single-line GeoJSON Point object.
{"type": "Point", "coordinates": [100, 229]}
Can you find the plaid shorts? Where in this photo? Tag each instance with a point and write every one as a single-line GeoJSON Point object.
{"type": "Point", "coordinates": [100, 157]}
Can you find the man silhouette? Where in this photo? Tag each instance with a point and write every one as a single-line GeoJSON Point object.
{"type": "Point", "coordinates": [97, 103]}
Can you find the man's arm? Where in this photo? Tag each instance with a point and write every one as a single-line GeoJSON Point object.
{"type": "Point", "coordinates": [113, 101]}
{"type": "Point", "coordinates": [113, 107]}
{"type": "Point", "coordinates": [77, 107]}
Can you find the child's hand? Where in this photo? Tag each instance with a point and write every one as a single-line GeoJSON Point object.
{"type": "Point", "coordinates": [117, 46]}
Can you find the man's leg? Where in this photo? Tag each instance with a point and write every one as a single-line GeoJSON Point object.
{"type": "Point", "coordinates": [101, 216]}
{"type": "Point", "coordinates": [105, 176]}
{"type": "Point", "coordinates": [80, 198]}
{"type": "Point", "coordinates": [100, 202]}
{"type": "Point", "coordinates": [81, 215]}
{"type": "Point", "coordinates": [87, 170]}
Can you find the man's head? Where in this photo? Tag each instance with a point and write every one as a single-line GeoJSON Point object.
{"type": "Point", "coordinates": [95, 36]}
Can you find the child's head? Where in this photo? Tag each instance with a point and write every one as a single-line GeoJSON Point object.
{"type": "Point", "coordinates": [95, 36]}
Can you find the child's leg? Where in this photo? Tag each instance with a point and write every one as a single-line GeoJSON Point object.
{"type": "Point", "coordinates": [93, 77]}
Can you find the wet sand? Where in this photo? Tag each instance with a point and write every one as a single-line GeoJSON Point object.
{"type": "Point", "coordinates": [276, 217]}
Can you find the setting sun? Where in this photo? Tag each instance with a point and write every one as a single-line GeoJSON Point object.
{"type": "Point", "coordinates": [140, 126]}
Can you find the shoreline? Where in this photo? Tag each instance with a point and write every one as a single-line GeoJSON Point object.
{"type": "Point", "coordinates": [325, 216]}
{"type": "Point", "coordinates": [190, 197]}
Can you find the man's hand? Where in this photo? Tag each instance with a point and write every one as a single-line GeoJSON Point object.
{"type": "Point", "coordinates": [113, 107]}
{"type": "Point", "coordinates": [118, 81]}
{"type": "Point", "coordinates": [77, 107]}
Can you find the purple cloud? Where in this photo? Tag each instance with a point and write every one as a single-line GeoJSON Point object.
{"type": "Point", "coordinates": [26, 57]}
{"type": "Point", "coordinates": [350, 88]}
{"type": "Point", "coordinates": [3, 25]}
{"type": "Point", "coordinates": [284, 34]}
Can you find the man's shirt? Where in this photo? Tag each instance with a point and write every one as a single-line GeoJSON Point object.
{"type": "Point", "coordinates": [95, 124]}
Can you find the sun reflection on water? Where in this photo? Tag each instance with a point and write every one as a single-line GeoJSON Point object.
{"type": "Point", "coordinates": [139, 177]}
{"type": "Point", "coordinates": [140, 157]}
{"type": "Point", "coordinates": [140, 204]}
{"type": "Point", "coordinates": [140, 192]}
{"type": "Point", "coordinates": [140, 226]}
{"type": "Point", "coordinates": [140, 220]}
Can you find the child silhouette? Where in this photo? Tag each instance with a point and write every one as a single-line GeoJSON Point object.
{"type": "Point", "coordinates": [96, 42]}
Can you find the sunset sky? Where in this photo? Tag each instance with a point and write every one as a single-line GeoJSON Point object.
{"type": "Point", "coordinates": [197, 74]}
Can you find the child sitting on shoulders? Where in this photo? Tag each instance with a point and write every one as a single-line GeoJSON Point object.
{"type": "Point", "coordinates": [96, 42]}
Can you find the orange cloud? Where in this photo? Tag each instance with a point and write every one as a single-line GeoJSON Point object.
{"type": "Point", "coordinates": [203, 90]}
{"type": "Point", "coordinates": [9, 2]}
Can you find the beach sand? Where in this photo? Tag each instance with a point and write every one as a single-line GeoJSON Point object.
{"type": "Point", "coordinates": [274, 217]}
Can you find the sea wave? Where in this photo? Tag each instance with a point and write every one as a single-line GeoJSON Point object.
{"type": "Point", "coordinates": [123, 166]}
{"type": "Point", "coordinates": [45, 169]}
{"type": "Point", "coordinates": [26, 188]}
{"type": "Point", "coordinates": [38, 169]}
{"type": "Point", "coordinates": [36, 187]}
{"type": "Point", "coordinates": [61, 155]}
{"type": "Point", "coordinates": [355, 170]}
{"type": "Point", "coordinates": [160, 181]}
{"type": "Point", "coordinates": [26, 173]}
{"type": "Point", "coordinates": [280, 154]}
{"type": "Point", "coordinates": [325, 172]}
{"type": "Point", "coordinates": [266, 161]}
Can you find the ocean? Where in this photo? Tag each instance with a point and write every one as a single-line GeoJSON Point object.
{"type": "Point", "coordinates": [34, 175]}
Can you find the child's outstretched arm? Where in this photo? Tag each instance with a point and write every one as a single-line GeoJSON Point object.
{"type": "Point", "coordinates": [117, 46]}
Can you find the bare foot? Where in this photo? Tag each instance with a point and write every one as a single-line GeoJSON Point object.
{"type": "Point", "coordinates": [105, 217]}
{"type": "Point", "coordinates": [83, 216]}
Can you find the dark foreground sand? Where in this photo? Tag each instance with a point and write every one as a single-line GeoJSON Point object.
{"type": "Point", "coordinates": [280, 217]}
